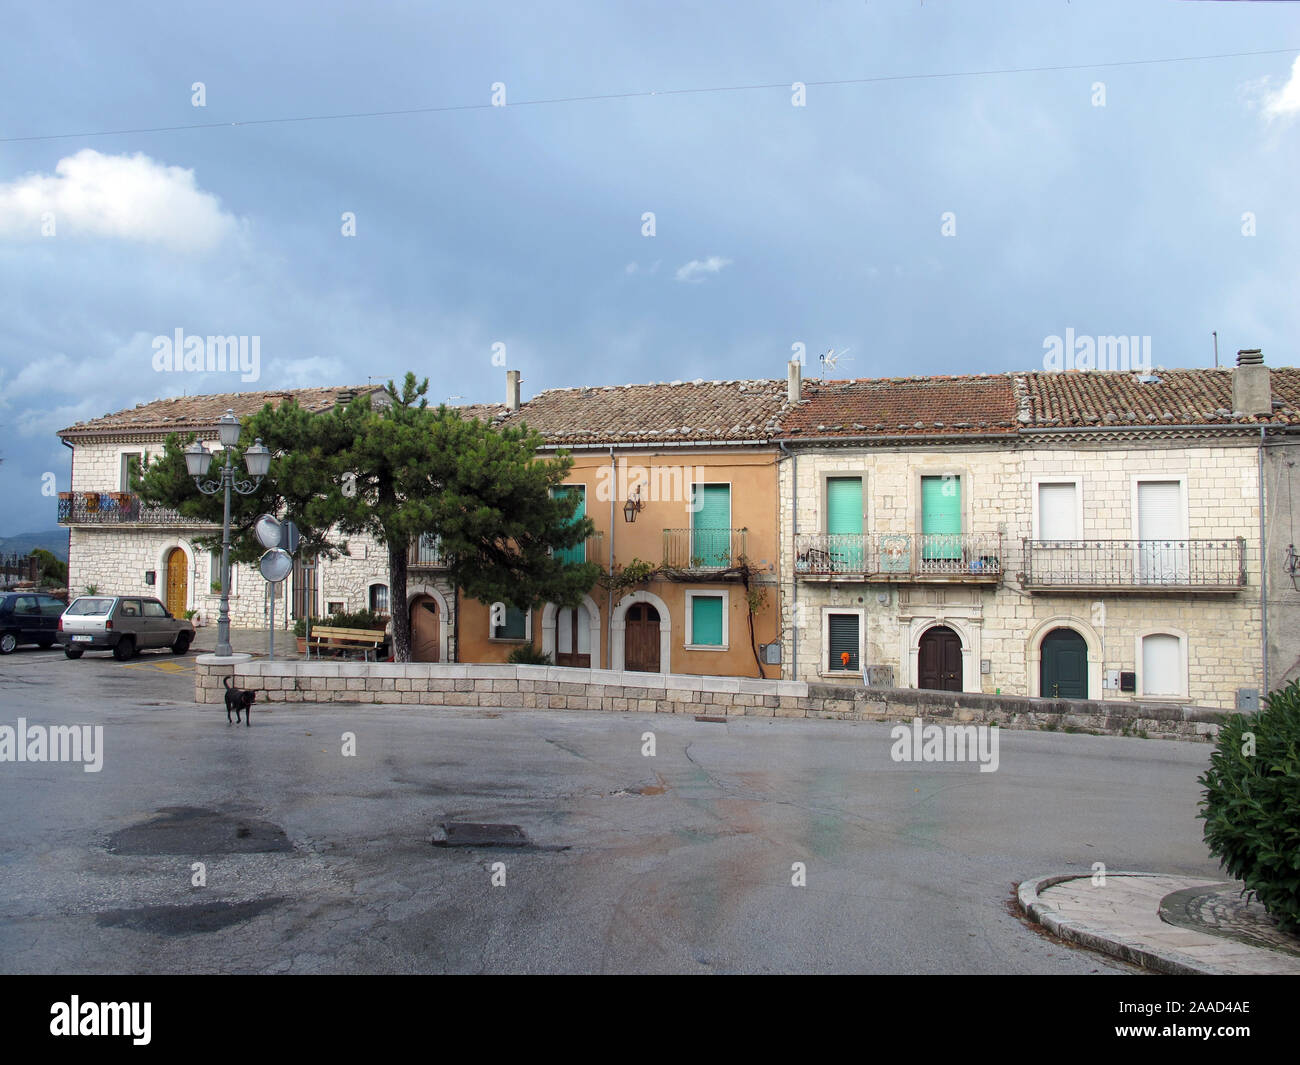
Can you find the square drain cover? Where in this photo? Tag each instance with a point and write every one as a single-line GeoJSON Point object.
{"type": "Point", "coordinates": [469, 834]}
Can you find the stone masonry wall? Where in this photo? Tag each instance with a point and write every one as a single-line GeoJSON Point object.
{"type": "Point", "coordinates": [553, 688]}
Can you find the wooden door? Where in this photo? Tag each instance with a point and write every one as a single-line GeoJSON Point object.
{"type": "Point", "coordinates": [178, 586]}
{"type": "Point", "coordinates": [424, 629]}
{"type": "Point", "coordinates": [939, 665]}
{"type": "Point", "coordinates": [641, 639]}
{"type": "Point", "coordinates": [1063, 670]}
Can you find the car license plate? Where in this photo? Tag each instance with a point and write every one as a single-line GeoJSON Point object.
{"type": "Point", "coordinates": [83, 639]}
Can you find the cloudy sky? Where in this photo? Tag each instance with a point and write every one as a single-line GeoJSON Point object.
{"type": "Point", "coordinates": [921, 224]}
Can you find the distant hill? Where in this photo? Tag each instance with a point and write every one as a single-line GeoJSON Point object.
{"type": "Point", "coordinates": [55, 541]}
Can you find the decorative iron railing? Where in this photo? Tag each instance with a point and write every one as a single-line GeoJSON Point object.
{"type": "Point", "coordinates": [1135, 563]}
{"type": "Point", "coordinates": [704, 549]}
{"type": "Point", "coordinates": [590, 550]}
{"type": "Point", "coordinates": [117, 508]}
{"type": "Point", "coordinates": [425, 553]}
{"type": "Point", "coordinates": [882, 555]}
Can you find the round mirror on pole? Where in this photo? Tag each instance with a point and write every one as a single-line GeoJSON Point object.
{"type": "Point", "coordinates": [276, 565]}
{"type": "Point", "coordinates": [267, 530]}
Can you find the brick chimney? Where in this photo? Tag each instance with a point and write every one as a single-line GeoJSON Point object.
{"type": "Point", "coordinates": [1251, 389]}
{"type": "Point", "coordinates": [794, 382]}
{"type": "Point", "coordinates": [512, 390]}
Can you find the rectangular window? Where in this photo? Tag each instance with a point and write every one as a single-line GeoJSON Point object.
{"type": "Point", "coordinates": [1162, 553]}
{"type": "Point", "coordinates": [844, 523]}
{"type": "Point", "coordinates": [843, 638]}
{"type": "Point", "coordinates": [707, 613]}
{"type": "Point", "coordinates": [1058, 511]}
{"type": "Point", "coordinates": [379, 598]}
{"type": "Point", "coordinates": [515, 628]}
{"type": "Point", "coordinates": [130, 460]}
{"type": "Point", "coordinates": [941, 517]}
{"type": "Point", "coordinates": [578, 552]}
{"type": "Point", "coordinates": [711, 525]}
{"type": "Point", "coordinates": [1162, 665]}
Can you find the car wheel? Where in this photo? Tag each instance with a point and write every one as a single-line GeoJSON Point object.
{"type": "Point", "coordinates": [125, 649]}
{"type": "Point", "coordinates": [182, 643]}
{"type": "Point", "coordinates": [8, 641]}
{"type": "Point", "coordinates": [73, 652]}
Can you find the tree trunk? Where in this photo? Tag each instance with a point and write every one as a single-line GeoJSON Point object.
{"type": "Point", "coordinates": [397, 603]}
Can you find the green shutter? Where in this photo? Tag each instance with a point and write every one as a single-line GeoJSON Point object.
{"type": "Point", "coordinates": [843, 637]}
{"type": "Point", "coordinates": [711, 525]}
{"type": "Point", "coordinates": [844, 523]}
{"type": "Point", "coordinates": [706, 620]}
{"type": "Point", "coordinates": [515, 627]}
{"type": "Point", "coordinates": [578, 552]}
{"type": "Point", "coordinates": [941, 517]}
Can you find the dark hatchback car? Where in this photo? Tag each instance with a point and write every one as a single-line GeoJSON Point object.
{"type": "Point", "coordinates": [28, 617]}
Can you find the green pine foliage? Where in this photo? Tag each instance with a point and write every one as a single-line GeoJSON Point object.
{"type": "Point", "coordinates": [1252, 803]}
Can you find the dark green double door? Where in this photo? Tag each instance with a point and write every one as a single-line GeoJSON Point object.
{"type": "Point", "coordinates": [1063, 672]}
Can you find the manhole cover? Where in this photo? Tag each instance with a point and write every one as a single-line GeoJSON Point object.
{"type": "Point", "coordinates": [469, 834]}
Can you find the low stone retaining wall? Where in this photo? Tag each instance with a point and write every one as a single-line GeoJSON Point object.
{"type": "Point", "coordinates": [555, 688]}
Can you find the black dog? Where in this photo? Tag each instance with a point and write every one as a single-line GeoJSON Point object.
{"type": "Point", "coordinates": [237, 699]}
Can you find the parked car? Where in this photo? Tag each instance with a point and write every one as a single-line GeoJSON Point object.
{"type": "Point", "coordinates": [123, 624]}
{"type": "Point", "coordinates": [28, 617]}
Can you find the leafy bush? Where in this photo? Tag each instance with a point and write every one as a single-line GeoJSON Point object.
{"type": "Point", "coordinates": [1252, 803]}
{"type": "Point", "coordinates": [529, 656]}
{"type": "Point", "coordinates": [344, 619]}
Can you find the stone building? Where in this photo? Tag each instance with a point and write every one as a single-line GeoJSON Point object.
{"type": "Point", "coordinates": [1088, 535]}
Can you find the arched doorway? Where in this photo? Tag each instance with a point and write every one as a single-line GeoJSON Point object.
{"type": "Point", "coordinates": [641, 639]}
{"type": "Point", "coordinates": [939, 665]}
{"type": "Point", "coordinates": [178, 585]}
{"type": "Point", "coordinates": [425, 625]}
{"type": "Point", "coordinates": [572, 638]}
{"type": "Point", "coordinates": [1063, 670]}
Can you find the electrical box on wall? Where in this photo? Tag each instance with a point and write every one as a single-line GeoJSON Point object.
{"type": "Point", "coordinates": [771, 654]}
{"type": "Point", "coordinates": [1128, 682]}
{"type": "Point", "coordinates": [150, 577]}
{"type": "Point", "coordinates": [1111, 680]}
{"type": "Point", "coordinates": [1248, 699]}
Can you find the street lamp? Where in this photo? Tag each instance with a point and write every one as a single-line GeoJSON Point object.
{"type": "Point", "coordinates": [197, 460]}
{"type": "Point", "coordinates": [632, 507]}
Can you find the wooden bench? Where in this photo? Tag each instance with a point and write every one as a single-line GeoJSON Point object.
{"type": "Point", "coordinates": [342, 641]}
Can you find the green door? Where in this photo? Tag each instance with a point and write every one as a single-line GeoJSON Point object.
{"type": "Point", "coordinates": [941, 517]}
{"type": "Point", "coordinates": [844, 523]}
{"type": "Point", "coordinates": [711, 526]}
{"type": "Point", "coordinates": [577, 553]}
{"type": "Point", "coordinates": [1063, 672]}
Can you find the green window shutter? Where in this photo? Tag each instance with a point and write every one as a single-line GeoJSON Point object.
{"type": "Point", "coordinates": [941, 517]}
{"type": "Point", "coordinates": [844, 506]}
{"type": "Point", "coordinates": [711, 524]}
{"type": "Point", "coordinates": [516, 626]}
{"type": "Point", "coordinates": [706, 620]}
{"type": "Point", "coordinates": [844, 523]}
{"type": "Point", "coordinates": [843, 638]}
{"type": "Point", "coordinates": [578, 552]}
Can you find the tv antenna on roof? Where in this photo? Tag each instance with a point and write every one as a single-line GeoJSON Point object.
{"type": "Point", "coordinates": [832, 357]}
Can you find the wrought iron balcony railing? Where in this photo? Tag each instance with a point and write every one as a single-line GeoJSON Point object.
{"type": "Point", "coordinates": [899, 556]}
{"type": "Point", "coordinates": [1142, 565]}
{"type": "Point", "coordinates": [704, 550]}
{"type": "Point", "coordinates": [117, 508]}
{"type": "Point", "coordinates": [425, 553]}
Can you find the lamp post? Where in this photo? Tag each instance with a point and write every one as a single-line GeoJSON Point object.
{"type": "Point", "coordinates": [197, 460]}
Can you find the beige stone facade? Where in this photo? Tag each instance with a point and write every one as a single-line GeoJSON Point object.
{"type": "Point", "coordinates": [1001, 624]}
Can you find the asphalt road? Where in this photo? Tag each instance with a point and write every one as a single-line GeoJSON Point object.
{"type": "Point", "coordinates": [319, 861]}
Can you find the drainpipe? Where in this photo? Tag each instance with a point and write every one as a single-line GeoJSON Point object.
{"type": "Point", "coordinates": [794, 576]}
{"type": "Point", "coordinates": [609, 590]}
{"type": "Point", "coordinates": [1263, 566]}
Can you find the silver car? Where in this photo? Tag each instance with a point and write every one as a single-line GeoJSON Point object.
{"type": "Point", "coordinates": [123, 624]}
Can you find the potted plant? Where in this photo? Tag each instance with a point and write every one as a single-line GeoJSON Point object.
{"type": "Point", "coordinates": [92, 500]}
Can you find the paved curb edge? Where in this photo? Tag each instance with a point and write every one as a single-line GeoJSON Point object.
{"type": "Point", "coordinates": [1169, 962]}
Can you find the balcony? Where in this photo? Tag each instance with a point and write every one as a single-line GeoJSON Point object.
{"type": "Point", "coordinates": [590, 550]}
{"type": "Point", "coordinates": [425, 553]}
{"type": "Point", "coordinates": [703, 551]}
{"type": "Point", "coordinates": [971, 558]}
{"type": "Point", "coordinates": [118, 508]}
{"type": "Point", "coordinates": [1135, 565]}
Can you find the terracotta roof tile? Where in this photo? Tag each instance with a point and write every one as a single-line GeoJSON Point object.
{"type": "Point", "coordinates": [909, 406]}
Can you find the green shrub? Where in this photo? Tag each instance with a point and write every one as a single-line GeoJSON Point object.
{"type": "Point", "coordinates": [344, 619]}
{"type": "Point", "coordinates": [1252, 803]}
{"type": "Point", "coordinates": [529, 656]}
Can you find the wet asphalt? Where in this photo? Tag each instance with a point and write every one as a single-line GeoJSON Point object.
{"type": "Point", "coordinates": [203, 847]}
